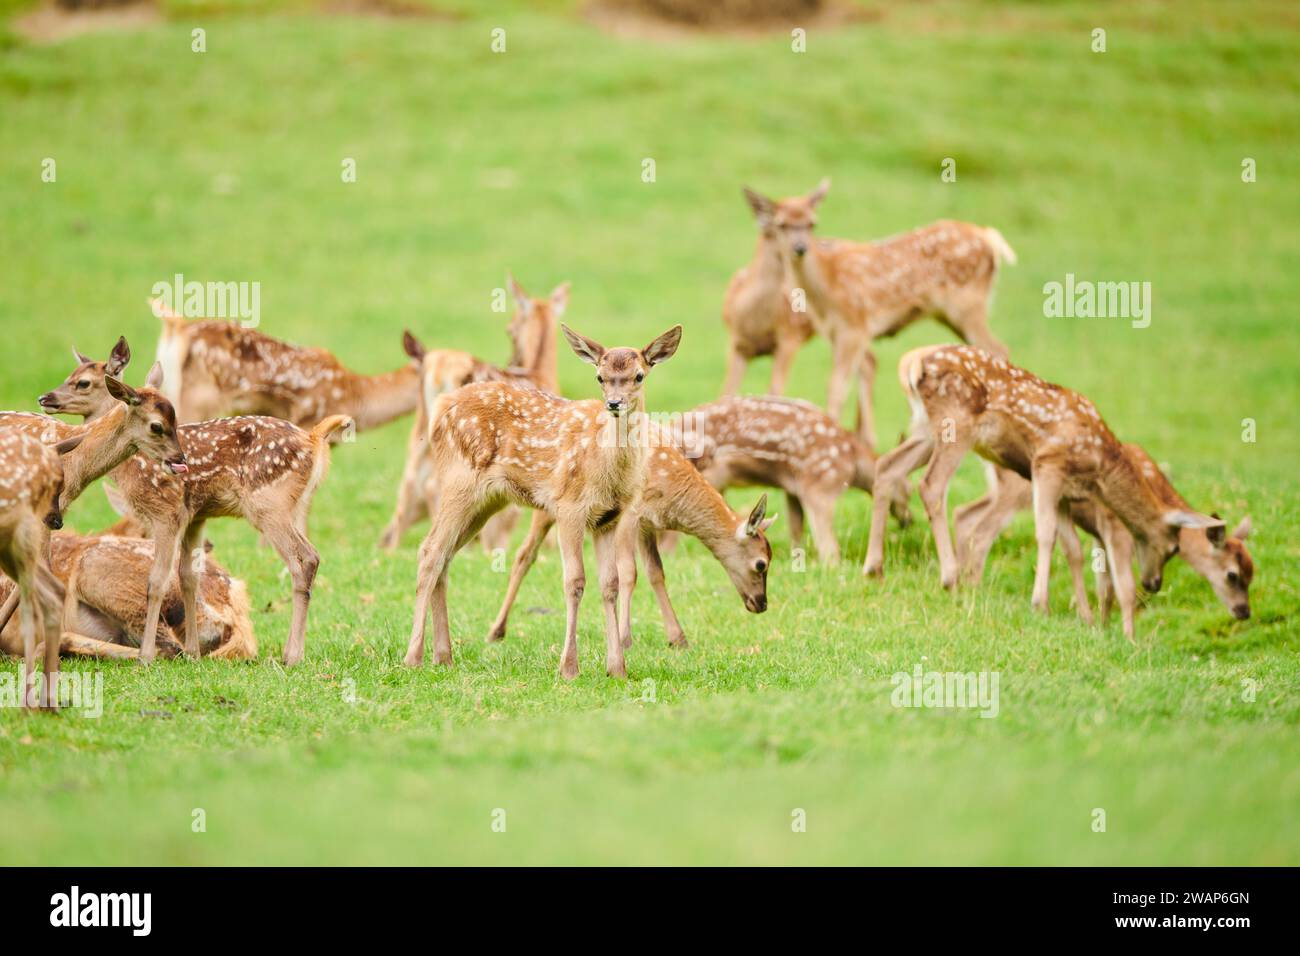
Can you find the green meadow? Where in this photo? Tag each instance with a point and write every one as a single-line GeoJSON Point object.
{"type": "Point", "coordinates": [773, 738]}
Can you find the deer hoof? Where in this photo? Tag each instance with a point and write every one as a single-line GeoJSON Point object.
{"type": "Point", "coordinates": [617, 671]}
{"type": "Point", "coordinates": [413, 660]}
{"type": "Point", "coordinates": [569, 671]}
{"type": "Point", "coordinates": [873, 570]}
{"type": "Point", "coordinates": [498, 633]}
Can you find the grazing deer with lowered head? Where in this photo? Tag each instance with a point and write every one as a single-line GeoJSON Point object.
{"type": "Point", "coordinates": [862, 291]}
{"type": "Point", "coordinates": [758, 311]}
{"type": "Point", "coordinates": [31, 478]}
{"type": "Point", "coordinates": [104, 577]}
{"type": "Point", "coordinates": [789, 444]}
{"type": "Point", "coordinates": [216, 368]}
{"type": "Point", "coordinates": [965, 399]}
{"type": "Point", "coordinates": [532, 333]}
{"type": "Point", "coordinates": [501, 442]}
{"type": "Point", "coordinates": [1222, 560]}
{"type": "Point", "coordinates": [675, 498]}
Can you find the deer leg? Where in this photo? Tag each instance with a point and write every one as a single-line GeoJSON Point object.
{"type": "Point", "coordinates": [626, 540]}
{"type": "Point", "coordinates": [965, 519]}
{"type": "Point", "coordinates": [787, 346]}
{"type": "Point", "coordinates": [794, 519]}
{"type": "Point", "coordinates": [8, 608]}
{"type": "Point", "coordinates": [524, 558]}
{"type": "Point", "coordinates": [496, 531]}
{"type": "Point", "coordinates": [1119, 558]}
{"type": "Point", "coordinates": [603, 542]}
{"type": "Point", "coordinates": [166, 556]}
{"type": "Point", "coordinates": [27, 613]}
{"type": "Point", "coordinates": [972, 324]}
{"type": "Point", "coordinates": [845, 361]}
{"type": "Point", "coordinates": [1105, 593]}
{"type": "Point", "coordinates": [934, 495]}
{"type": "Point", "coordinates": [571, 530]}
{"type": "Point", "coordinates": [654, 571]}
{"type": "Point", "coordinates": [302, 560]}
{"type": "Point", "coordinates": [821, 516]}
{"type": "Point", "coordinates": [190, 567]}
{"type": "Point", "coordinates": [736, 364]}
{"type": "Point", "coordinates": [892, 470]}
{"type": "Point", "coordinates": [866, 402]}
{"type": "Point", "coordinates": [410, 503]}
{"type": "Point", "coordinates": [1069, 538]}
{"type": "Point", "coordinates": [1047, 496]}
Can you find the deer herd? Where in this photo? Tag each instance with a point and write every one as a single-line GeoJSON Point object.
{"type": "Point", "coordinates": [233, 423]}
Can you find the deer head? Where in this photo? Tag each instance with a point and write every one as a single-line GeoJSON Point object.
{"type": "Point", "coordinates": [151, 420]}
{"type": "Point", "coordinates": [621, 372]}
{"type": "Point", "coordinates": [533, 323]}
{"type": "Point", "coordinates": [82, 392]}
{"type": "Point", "coordinates": [1222, 559]}
{"type": "Point", "coordinates": [791, 221]}
{"type": "Point", "coordinates": [747, 557]}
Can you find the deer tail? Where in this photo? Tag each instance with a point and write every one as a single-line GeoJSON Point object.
{"type": "Point", "coordinates": [323, 430]}
{"type": "Point", "coordinates": [172, 320]}
{"type": "Point", "coordinates": [1001, 248]}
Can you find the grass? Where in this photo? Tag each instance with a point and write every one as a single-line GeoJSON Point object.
{"type": "Point", "coordinates": [1116, 166]}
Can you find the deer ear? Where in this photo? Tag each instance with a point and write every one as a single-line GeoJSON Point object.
{"type": "Point", "coordinates": [586, 349]}
{"type": "Point", "coordinates": [81, 359]}
{"type": "Point", "coordinates": [662, 348]}
{"type": "Point", "coordinates": [763, 207]}
{"type": "Point", "coordinates": [68, 444]}
{"type": "Point", "coordinates": [155, 377]}
{"type": "Point", "coordinates": [119, 358]}
{"type": "Point", "coordinates": [559, 299]}
{"type": "Point", "coordinates": [1242, 531]}
{"type": "Point", "coordinates": [818, 194]}
{"type": "Point", "coordinates": [412, 346]}
{"type": "Point", "coordinates": [755, 519]}
{"type": "Point", "coordinates": [1191, 519]}
{"type": "Point", "coordinates": [1217, 533]}
{"type": "Point", "coordinates": [516, 290]}
{"type": "Point", "coordinates": [116, 501]}
{"type": "Point", "coordinates": [121, 391]}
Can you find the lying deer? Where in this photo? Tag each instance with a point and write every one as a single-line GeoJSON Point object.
{"type": "Point", "coordinates": [261, 469]}
{"type": "Point", "coordinates": [788, 444]}
{"type": "Point", "coordinates": [31, 478]}
{"type": "Point", "coordinates": [758, 312]}
{"type": "Point", "coordinates": [500, 442]}
{"type": "Point", "coordinates": [963, 398]}
{"type": "Point", "coordinates": [1223, 561]}
{"type": "Point", "coordinates": [675, 498]}
{"type": "Point", "coordinates": [216, 368]}
{"type": "Point", "coordinates": [862, 291]}
{"type": "Point", "coordinates": [105, 601]}
{"type": "Point", "coordinates": [533, 359]}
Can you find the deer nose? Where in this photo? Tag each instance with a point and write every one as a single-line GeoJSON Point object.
{"type": "Point", "coordinates": [614, 405]}
{"type": "Point", "coordinates": [800, 248]}
{"type": "Point", "coordinates": [54, 520]}
{"type": "Point", "coordinates": [1241, 612]}
{"type": "Point", "coordinates": [1153, 584]}
{"type": "Point", "coordinates": [757, 604]}
{"type": "Point", "coordinates": [48, 401]}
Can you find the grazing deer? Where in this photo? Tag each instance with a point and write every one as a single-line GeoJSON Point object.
{"type": "Point", "coordinates": [1223, 561]}
{"type": "Point", "coordinates": [675, 498]}
{"type": "Point", "coordinates": [758, 312]}
{"type": "Point", "coordinates": [215, 368]}
{"type": "Point", "coordinates": [31, 478]}
{"type": "Point", "coordinates": [532, 332]}
{"type": "Point", "coordinates": [788, 444]}
{"type": "Point", "coordinates": [500, 442]}
{"type": "Point", "coordinates": [862, 291]}
{"type": "Point", "coordinates": [965, 399]}
{"type": "Point", "coordinates": [105, 601]}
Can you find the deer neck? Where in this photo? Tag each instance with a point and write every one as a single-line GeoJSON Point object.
{"type": "Point", "coordinates": [810, 273]}
{"type": "Point", "coordinates": [768, 264]}
{"type": "Point", "coordinates": [378, 399]}
{"type": "Point", "coordinates": [101, 450]}
{"type": "Point", "coordinates": [700, 511]}
{"type": "Point", "coordinates": [540, 357]}
{"type": "Point", "coordinates": [1127, 493]}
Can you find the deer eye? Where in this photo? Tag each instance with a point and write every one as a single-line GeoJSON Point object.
{"type": "Point", "coordinates": [640, 377]}
{"type": "Point", "coordinates": [156, 428]}
{"type": "Point", "coordinates": [760, 566]}
{"type": "Point", "coordinates": [600, 380]}
{"type": "Point", "coordinates": [84, 383]}
{"type": "Point", "coordinates": [1233, 578]}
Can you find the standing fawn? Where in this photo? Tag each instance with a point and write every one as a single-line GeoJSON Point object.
{"type": "Point", "coordinates": [31, 478]}
{"type": "Point", "coordinates": [1223, 561]}
{"type": "Point", "coordinates": [862, 291]}
{"type": "Point", "coordinates": [533, 359]}
{"type": "Point", "coordinates": [105, 601]}
{"type": "Point", "coordinates": [261, 469]}
{"type": "Point", "coordinates": [215, 368]}
{"type": "Point", "coordinates": [758, 312]}
{"type": "Point", "coordinates": [788, 444]}
{"type": "Point", "coordinates": [675, 498]}
{"type": "Point", "coordinates": [500, 442]}
{"type": "Point", "coordinates": [964, 399]}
